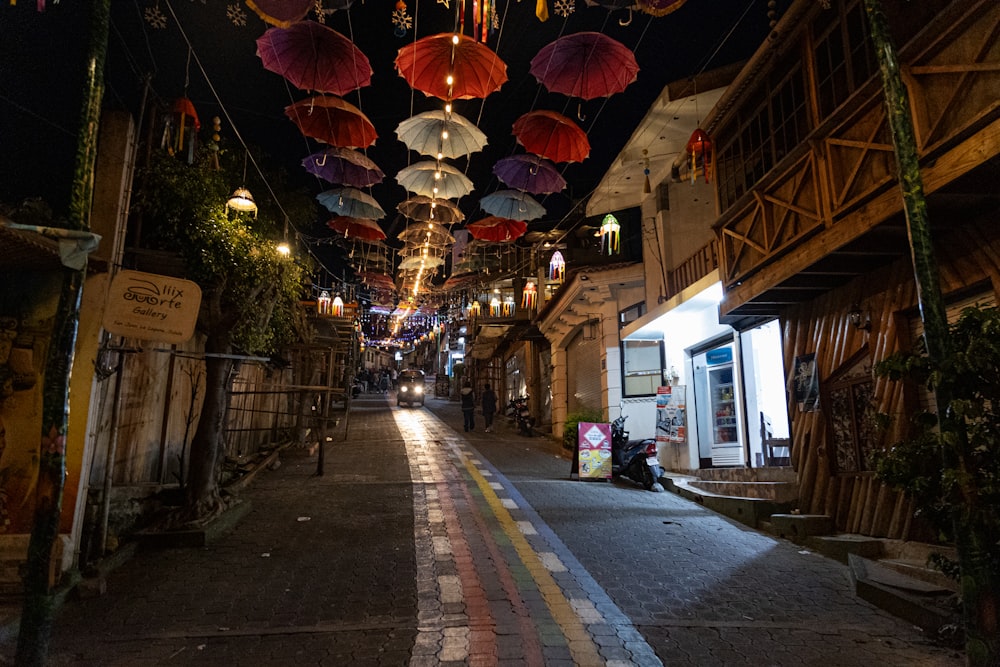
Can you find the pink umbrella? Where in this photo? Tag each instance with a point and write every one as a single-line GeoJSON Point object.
{"type": "Point", "coordinates": [314, 57]}
{"type": "Point", "coordinates": [344, 166]}
{"type": "Point", "coordinates": [586, 65]}
{"type": "Point", "coordinates": [529, 173]}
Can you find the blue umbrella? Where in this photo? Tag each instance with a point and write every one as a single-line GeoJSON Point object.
{"type": "Point", "coordinates": [512, 204]}
{"type": "Point", "coordinates": [350, 202]}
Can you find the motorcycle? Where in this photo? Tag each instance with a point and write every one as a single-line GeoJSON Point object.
{"type": "Point", "coordinates": [518, 410]}
{"type": "Point", "coordinates": [634, 459]}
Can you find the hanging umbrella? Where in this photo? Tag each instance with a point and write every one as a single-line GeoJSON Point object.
{"type": "Point", "coordinates": [281, 13]}
{"type": "Point", "coordinates": [512, 204]}
{"type": "Point", "coordinates": [426, 209]}
{"type": "Point", "coordinates": [611, 4]}
{"type": "Point", "coordinates": [377, 279]}
{"type": "Point", "coordinates": [529, 173]}
{"type": "Point", "coordinates": [475, 264]}
{"type": "Point", "coordinates": [314, 57]}
{"type": "Point", "coordinates": [659, 7]}
{"type": "Point", "coordinates": [497, 229]}
{"type": "Point", "coordinates": [362, 228]}
{"type": "Point", "coordinates": [344, 166]}
{"type": "Point", "coordinates": [420, 262]}
{"type": "Point", "coordinates": [424, 133]}
{"type": "Point", "coordinates": [476, 70]}
{"type": "Point", "coordinates": [351, 202]}
{"type": "Point", "coordinates": [434, 179]}
{"type": "Point", "coordinates": [552, 135]}
{"type": "Point", "coordinates": [333, 121]}
{"type": "Point", "coordinates": [436, 235]}
{"type": "Point", "coordinates": [586, 65]}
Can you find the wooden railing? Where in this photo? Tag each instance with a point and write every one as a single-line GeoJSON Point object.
{"type": "Point", "coordinates": [694, 268]}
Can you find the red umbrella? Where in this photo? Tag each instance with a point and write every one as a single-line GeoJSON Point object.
{"type": "Point", "coordinates": [529, 173]}
{"type": "Point", "coordinates": [314, 57]}
{"type": "Point", "coordinates": [586, 65]}
{"type": "Point", "coordinates": [344, 166]}
{"type": "Point", "coordinates": [427, 63]}
{"type": "Point", "coordinates": [281, 12]}
{"type": "Point", "coordinates": [497, 229]}
{"type": "Point", "coordinates": [360, 228]}
{"type": "Point", "coordinates": [376, 279]}
{"type": "Point", "coordinates": [332, 120]}
{"type": "Point", "coordinates": [552, 135]}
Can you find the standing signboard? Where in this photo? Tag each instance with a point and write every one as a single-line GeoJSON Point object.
{"type": "Point", "coordinates": [594, 450]}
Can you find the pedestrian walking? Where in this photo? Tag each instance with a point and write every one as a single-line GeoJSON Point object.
{"type": "Point", "coordinates": [468, 406]}
{"type": "Point", "coordinates": [489, 406]}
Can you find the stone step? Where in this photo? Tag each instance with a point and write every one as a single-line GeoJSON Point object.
{"type": "Point", "coordinates": [929, 607]}
{"type": "Point", "coordinates": [920, 571]}
{"type": "Point", "coordinates": [777, 491]}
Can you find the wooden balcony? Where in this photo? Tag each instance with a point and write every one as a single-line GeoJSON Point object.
{"type": "Point", "coordinates": [831, 209]}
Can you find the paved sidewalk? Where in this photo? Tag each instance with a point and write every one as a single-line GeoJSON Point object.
{"type": "Point", "coordinates": [423, 546]}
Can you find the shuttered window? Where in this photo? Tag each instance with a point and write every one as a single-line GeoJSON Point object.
{"type": "Point", "coordinates": [584, 373]}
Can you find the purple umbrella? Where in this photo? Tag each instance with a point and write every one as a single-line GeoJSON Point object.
{"type": "Point", "coordinates": [314, 57]}
{"type": "Point", "coordinates": [586, 65]}
{"type": "Point", "coordinates": [529, 173]}
{"type": "Point", "coordinates": [344, 166]}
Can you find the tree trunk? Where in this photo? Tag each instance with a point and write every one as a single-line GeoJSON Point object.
{"type": "Point", "coordinates": [203, 497]}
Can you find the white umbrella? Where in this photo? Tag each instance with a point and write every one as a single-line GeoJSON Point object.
{"type": "Point", "coordinates": [434, 179]}
{"type": "Point", "coordinates": [436, 133]}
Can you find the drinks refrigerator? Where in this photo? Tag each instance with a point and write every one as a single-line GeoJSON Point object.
{"type": "Point", "coordinates": [719, 406]}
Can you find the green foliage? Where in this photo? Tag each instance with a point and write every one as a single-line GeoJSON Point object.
{"type": "Point", "coordinates": [250, 290]}
{"type": "Point", "coordinates": [573, 419]}
{"type": "Point", "coordinates": [950, 463]}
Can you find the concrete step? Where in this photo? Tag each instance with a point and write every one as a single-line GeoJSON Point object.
{"type": "Point", "coordinates": [767, 490]}
{"type": "Point", "coordinates": [932, 608]}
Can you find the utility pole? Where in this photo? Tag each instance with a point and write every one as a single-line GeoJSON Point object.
{"type": "Point", "coordinates": [36, 617]}
{"type": "Point", "coordinates": [979, 599]}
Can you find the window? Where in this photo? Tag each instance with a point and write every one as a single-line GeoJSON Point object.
{"type": "Point", "coordinates": [631, 314]}
{"type": "Point", "coordinates": [642, 367]}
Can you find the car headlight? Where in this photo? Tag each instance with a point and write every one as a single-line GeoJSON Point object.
{"type": "Point", "coordinates": [403, 388]}
{"type": "Point", "coordinates": [418, 389]}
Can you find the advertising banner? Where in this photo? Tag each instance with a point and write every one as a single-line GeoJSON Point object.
{"type": "Point", "coordinates": [671, 415]}
{"type": "Point", "coordinates": [594, 450]}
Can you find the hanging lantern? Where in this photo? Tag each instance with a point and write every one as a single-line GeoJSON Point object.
{"type": "Point", "coordinates": [508, 307]}
{"type": "Point", "coordinates": [699, 149]}
{"type": "Point", "coordinates": [610, 235]}
{"type": "Point", "coordinates": [323, 303]}
{"type": "Point", "coordinates": [337, 307]}
{"type": "Point", "coordinates": [242, 201]}
{"type": "Point", "coordinates": [529, 297]}
{"type": "Point", "coordinates": [475, 309]}
{"type": "Point", "coordinates": [494, 307]}
{"type": "Point", "coordinates": [181, 129]}
{"type": "Point", "coordinates": [557, 267]}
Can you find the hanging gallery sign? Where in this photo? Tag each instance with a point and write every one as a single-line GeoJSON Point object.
{"type": "Point", "coordinates": [152, 307]}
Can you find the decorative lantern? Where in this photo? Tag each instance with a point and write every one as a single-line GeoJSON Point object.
{"type": "Point", "coordinates": [323, 303]}
{"type": "Point", "coordinates": [699, 148]}
{"type": "Point", "coordinates": [610, 235]}
{"type": "Point", "coordinates": [557, 267]}
{"type": "Point", "coordinates": [494, 307]}
{"type": "Point", "coordinates": [181, 129]}
{"type": "Point", "coordinates": [475, 308]}
{"type": "Point", "coordinates": [508, 307]}
{"type": "Point", "coordinates": [529, 297]}
{"type": "Point", "coordinates": [337, 308]}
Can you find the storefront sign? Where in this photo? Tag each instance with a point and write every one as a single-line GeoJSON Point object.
{"type": "Point", "coordinates": [671, 415]}
{"type": "Point", "coordinates": [152, 307]}
{"type": "Point", "coordinates": [594, 450]}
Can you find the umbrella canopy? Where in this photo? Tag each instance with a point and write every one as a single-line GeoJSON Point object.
{"type": "Point", "coordinates": [427, 63]}
{"type": "Point", "coordinates": [436, 235]}
{"type": "Point", "coordinates": [586, 65]}
{"type": "Point", "coordinates": [434, 179]}
{"type": "Point", "coordinates": [281, 13]}
{"type": "Point", "coordinates": [426, 209]}
{"type": "Point", "coordinates": [333, 121]}
{"type": "Point", "coordinates": [377, 279]}
{"type": "Point", "coordinates": [659, 7]}
{"type": "Point", "coordinates": [344, 166]}
{"type": "Point", "coordinates": [362, 228]}
{"type": "Point", "coordinates": [512, 204]}
{"type": "Point", "coordinates": [497, 229]}
{"type": "Point", "coordinates": [351, 202]}
{"type": "Point", "coordinates": [436, 133]}
{"type": "Point", "coordinates": [552, 135]}
{"type": "Point", "coordinates": [421, 261]}
{"type": "Point", "coordinates": [530, 174]}
{"type": "Point", "coordinates": [314, 57]}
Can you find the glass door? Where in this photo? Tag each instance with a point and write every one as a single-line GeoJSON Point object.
{"type": "Point", "coordinates": [718, 402]}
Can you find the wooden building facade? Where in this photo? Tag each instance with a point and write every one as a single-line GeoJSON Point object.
{"type": "Point", "coordinates": [812, 229]}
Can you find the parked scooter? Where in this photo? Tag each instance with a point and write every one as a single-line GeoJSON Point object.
{"type": "Point", "coordinates": [518, 410]}
{"type": "Point", "coordinates": [634, 459]}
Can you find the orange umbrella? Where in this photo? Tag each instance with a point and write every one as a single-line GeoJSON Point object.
{"type": "Point", "coordinates": [427, 63]}
{"type": "Point", "coordinates": [497, 229]}
{"type": "Point", "coordinates": [552, 135]}
{"type": "Point", "coordinates": [332, 120]}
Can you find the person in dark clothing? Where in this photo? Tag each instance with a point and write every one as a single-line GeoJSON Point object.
{"type": "Point", "coordinates": [468, 406]}
{"type": "Point", "coordinates": [489, 406]}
